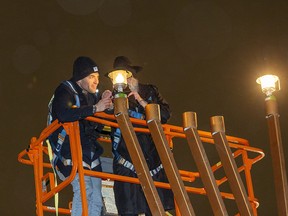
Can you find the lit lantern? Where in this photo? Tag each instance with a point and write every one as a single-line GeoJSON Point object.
{"type": "Point", "coordinates": [119, 79]}
{"type": "Point", "coordinates": [269, 84]}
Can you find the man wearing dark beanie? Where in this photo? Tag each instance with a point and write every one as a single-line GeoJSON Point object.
{"type": "Point", "coordinates": [74, 100]}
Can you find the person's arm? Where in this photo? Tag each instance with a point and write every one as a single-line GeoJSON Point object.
{"type": "Point", "coordinates": [165, 111]}
{"type": "Point", "coordinates": [156, 98]}
{"type": "Point", "coordinates": [65, 110]}
{"type": "Point", "coordinates": [64, 106]}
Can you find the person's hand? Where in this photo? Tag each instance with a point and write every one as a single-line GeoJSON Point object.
{"type": "Point", "coordinates": [103, 104]}
{"type": "Point", "coordinates": [107, 94]}
{"type": "Point", "coordinates": [136, 95]}
{"type": "Point", "coordinates": [138, 98]}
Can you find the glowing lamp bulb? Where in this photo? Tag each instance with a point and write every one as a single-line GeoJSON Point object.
{"type": "Point", "coordinates": [119, 79]}
{"type": "Point", "coordinates": [269, 84]}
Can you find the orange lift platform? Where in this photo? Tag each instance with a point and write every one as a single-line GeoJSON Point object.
{"type": "Point", "coordinates": [37, 155]}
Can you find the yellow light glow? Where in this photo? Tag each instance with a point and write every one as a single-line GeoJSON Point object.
{"type": "Point", "coordinates": [269, 83]}
{"type": "Point", "coordinates": [119, 78]}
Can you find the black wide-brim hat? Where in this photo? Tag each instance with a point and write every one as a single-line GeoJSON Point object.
{"type": "Point", "coordinates": [123, 63]}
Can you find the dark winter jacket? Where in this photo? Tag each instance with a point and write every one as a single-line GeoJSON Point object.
{"type": "Point", "coordinates": [64, 99]}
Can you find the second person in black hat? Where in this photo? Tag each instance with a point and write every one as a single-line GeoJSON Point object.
{"type": "Point", "coordinates": [130, 199]}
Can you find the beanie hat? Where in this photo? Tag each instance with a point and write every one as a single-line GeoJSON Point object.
{"type": "Point", "coordinates": [83, 66]}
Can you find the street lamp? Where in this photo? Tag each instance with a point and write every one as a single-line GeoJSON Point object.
{"type": "Point", "coordinates": [269, 84]}
{"type": "Point", "coordinates": [119, 80]}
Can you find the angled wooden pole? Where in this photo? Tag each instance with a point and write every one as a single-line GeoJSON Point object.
{"type": "Point", "coordinates": [138, 159]}
{"type": "Point", "coordinates": [203, 165]}
{"type": "Point", "coordinates": [229, 165]}
{"type": "Point", "coordinates": [167, 159]}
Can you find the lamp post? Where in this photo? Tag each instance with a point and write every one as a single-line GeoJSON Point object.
{"type": "Point", "coordinates": [269, 84]}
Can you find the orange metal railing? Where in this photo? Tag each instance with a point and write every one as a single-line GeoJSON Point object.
{"type": "Point", "coordinates": [37, 156]}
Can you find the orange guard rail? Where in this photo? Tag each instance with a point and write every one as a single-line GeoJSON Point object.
{"type": "Point", "coordinates": [37, 156]}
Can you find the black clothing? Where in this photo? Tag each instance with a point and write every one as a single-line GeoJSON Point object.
{"type": "Point", "coordinates": [64, 99]}
{"type": "Point", "coordinates": [129, 197]}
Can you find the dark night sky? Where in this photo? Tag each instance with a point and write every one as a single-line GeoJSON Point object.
{"type": "Point", "coordinates": [203, 55]}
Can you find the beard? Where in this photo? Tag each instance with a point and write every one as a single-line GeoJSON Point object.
{"type": "Point", "coordinates": [133, 84]}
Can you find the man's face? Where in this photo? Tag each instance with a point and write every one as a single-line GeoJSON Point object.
{"type": "Point", "coordinates": [90, 83]}
{"type": "Point", "coordinates": [132, 83]}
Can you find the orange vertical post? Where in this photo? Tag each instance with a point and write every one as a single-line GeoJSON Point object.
{"type": "Point", "coordinates": [75, 141]}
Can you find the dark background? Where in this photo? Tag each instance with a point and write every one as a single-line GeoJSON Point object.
{"type": "Point", "coordinates": [203, 55]}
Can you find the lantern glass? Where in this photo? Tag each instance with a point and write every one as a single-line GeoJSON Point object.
{"type": "Point", "coordinates": [119, 79]}
{"type": "Point", "coordinates": [269, 84]}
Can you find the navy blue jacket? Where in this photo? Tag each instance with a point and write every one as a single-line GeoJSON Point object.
{"type": "Point", "coordinates": [64, 99]}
